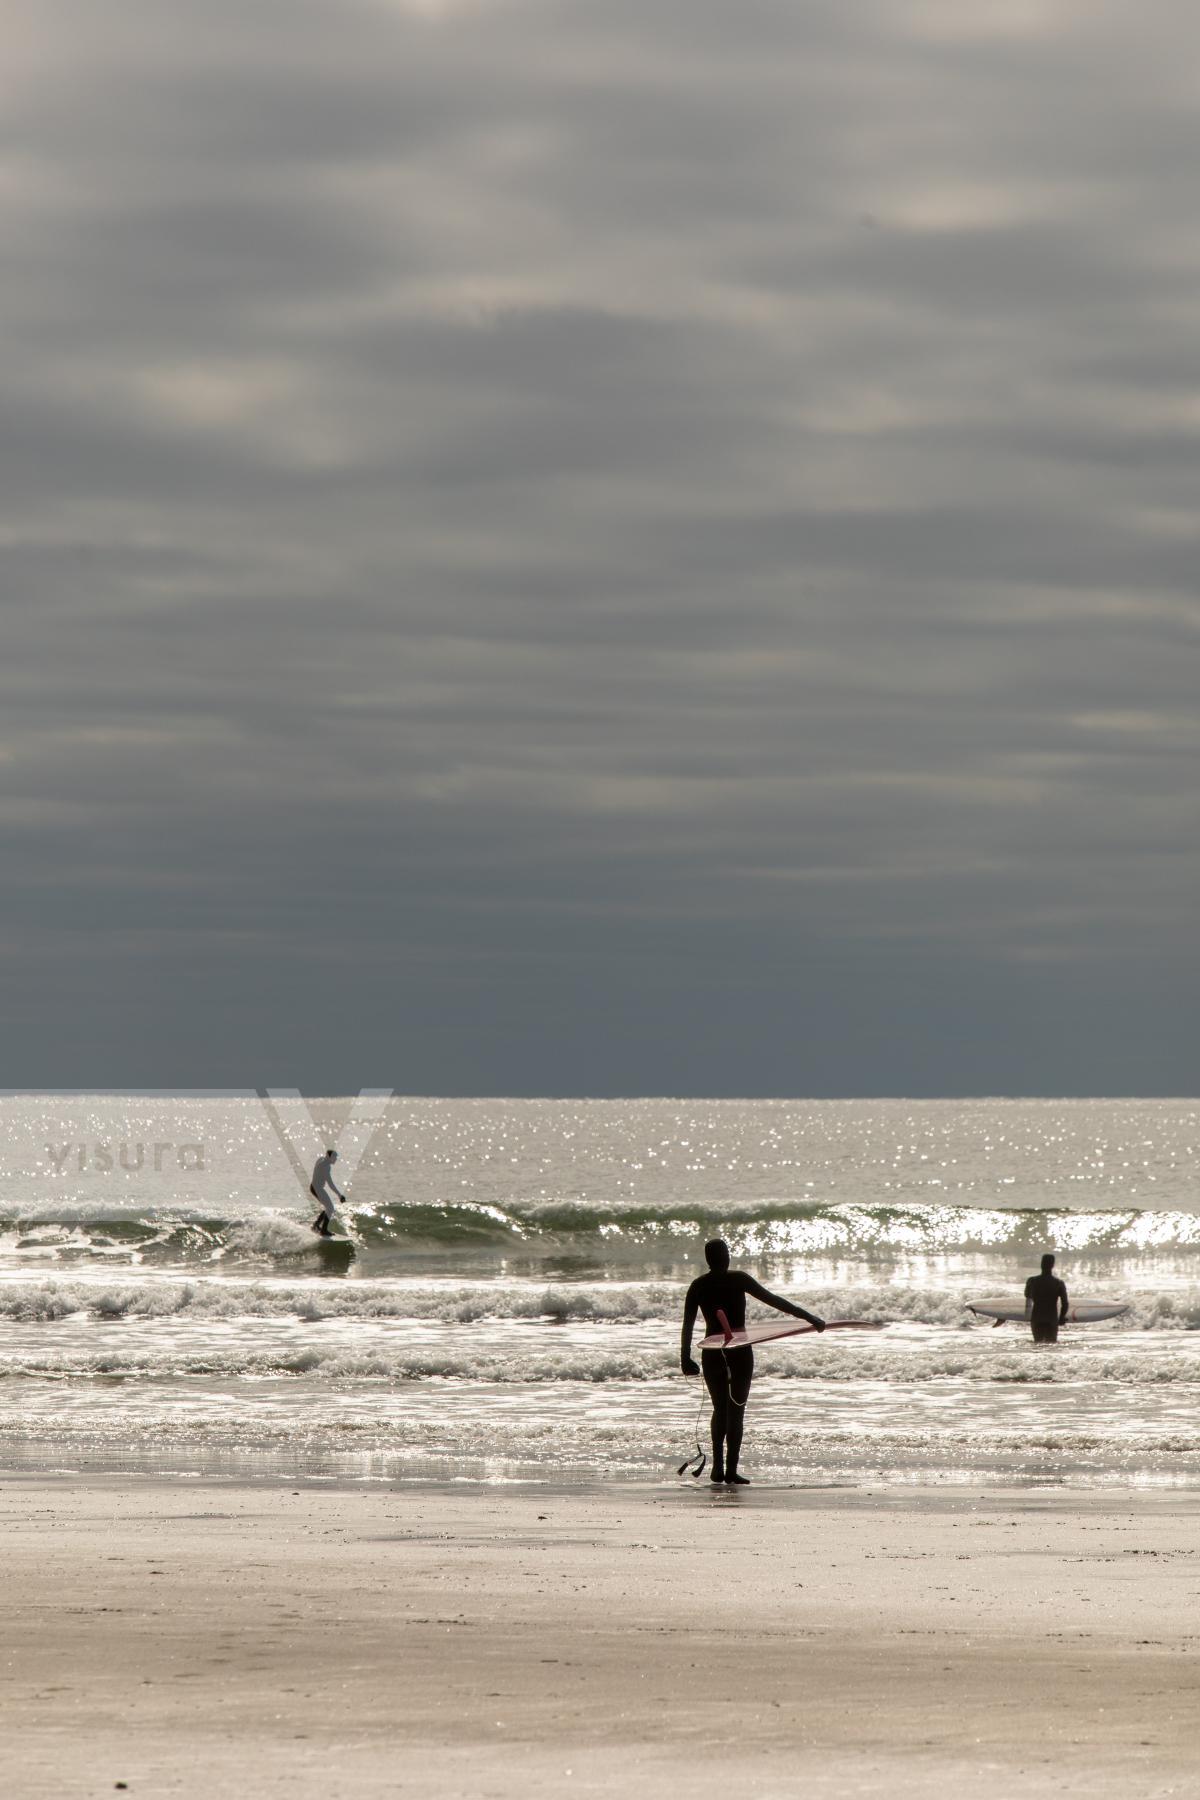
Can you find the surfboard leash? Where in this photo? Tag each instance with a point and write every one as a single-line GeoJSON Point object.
{"type": "Point", "coordinates": [701, 1456]}
{"type": "Point", "coordinates": [727, 1328]}
{"type": "Point", "coordinates": [729, 1383]}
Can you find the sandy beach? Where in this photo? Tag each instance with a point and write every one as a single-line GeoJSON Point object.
{"type": "Point", "coordinates": [206, 1637]}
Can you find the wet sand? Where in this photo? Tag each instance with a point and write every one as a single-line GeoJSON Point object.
{"type": "Point", "coordinates": [213, 1638]}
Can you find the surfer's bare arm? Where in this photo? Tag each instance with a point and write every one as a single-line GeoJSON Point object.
{"type": "Point", "coordinates": [1064, 1305]}
{"type": "Point", "coordinates": [782, 1305]}
{"type": "Point", "coordinates": [687, 1361]}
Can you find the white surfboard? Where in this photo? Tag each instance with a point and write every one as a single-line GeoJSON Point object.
{"type": "Point", "coordinates": [763, 1334]}
{"type": "Point", "coordinates": [1084, 1312]}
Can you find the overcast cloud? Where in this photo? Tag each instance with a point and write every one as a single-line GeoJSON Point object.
{"type": "Point", "coordinates": [603, 547]}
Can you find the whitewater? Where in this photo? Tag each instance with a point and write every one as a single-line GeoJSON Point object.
{"type": "Point", "coordinates": [510, 1311]}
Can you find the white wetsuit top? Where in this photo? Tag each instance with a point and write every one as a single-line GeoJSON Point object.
{"type": "Point", "coordinates": [322, 1177]}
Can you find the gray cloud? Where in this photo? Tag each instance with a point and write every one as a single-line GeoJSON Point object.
{"type": "Point", "coordinates": [558, 549]}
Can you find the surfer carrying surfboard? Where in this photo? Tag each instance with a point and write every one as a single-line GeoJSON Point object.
{"type": "Point", "coordinates": [721, 1297]}
{"type": "Point", "coordinates": [318, 1187]}
{"type": "Point", "coordinates": [1046, 1304]}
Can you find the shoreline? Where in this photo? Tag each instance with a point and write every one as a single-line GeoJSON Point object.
{"type": "Point", "coordinates": [33, 1457]}
{"type": "Point", "coordinates": [311, 1637]}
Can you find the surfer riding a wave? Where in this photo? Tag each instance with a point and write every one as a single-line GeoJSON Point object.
{"type": "Point", "coordinates": [322, 1181]}
{"type": "Point", "coordinates": [721, 1297]}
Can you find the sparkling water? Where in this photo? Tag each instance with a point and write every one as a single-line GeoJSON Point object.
{"type": "Point", "coordinates": [510, 1308]}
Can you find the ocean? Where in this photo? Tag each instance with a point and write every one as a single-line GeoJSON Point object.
{"type": "Point", "coordinates": [510, 1311]}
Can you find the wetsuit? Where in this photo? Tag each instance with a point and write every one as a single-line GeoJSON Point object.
{"type": "Point", "coordinates": [727, 1373]}
{"type": "Point", "coordinates": [322, 1181]}
{"type": "Point", "coordinates": [1046, 1298]}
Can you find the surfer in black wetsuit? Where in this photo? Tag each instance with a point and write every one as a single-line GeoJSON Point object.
{"type": "Point", "coordinates": [1045, 1303]}
{"type": "Point", "coordinates": [727, 1373]}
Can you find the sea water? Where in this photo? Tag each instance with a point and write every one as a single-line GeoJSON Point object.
{"type": "Point", "coordinates": [511, 1310]}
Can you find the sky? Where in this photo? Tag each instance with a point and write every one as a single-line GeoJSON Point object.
{"type": "Point", "coordinates": [570, 548]}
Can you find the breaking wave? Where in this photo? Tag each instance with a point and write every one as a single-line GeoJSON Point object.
{"type": "Point", "coordinates": [613, 1232]}
{"type": "Point", "coordinates": [452, 1302]}
{"type": "Point", "coordinates": [590, 1359]}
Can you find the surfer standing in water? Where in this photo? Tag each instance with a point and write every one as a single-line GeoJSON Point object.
{"type": "Point", "coordinates": [322, 1180]}
{"type": "Point", "coordinates": [1046, 1303]}
{"type": "Point", "coordinates": [727, 1373]}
